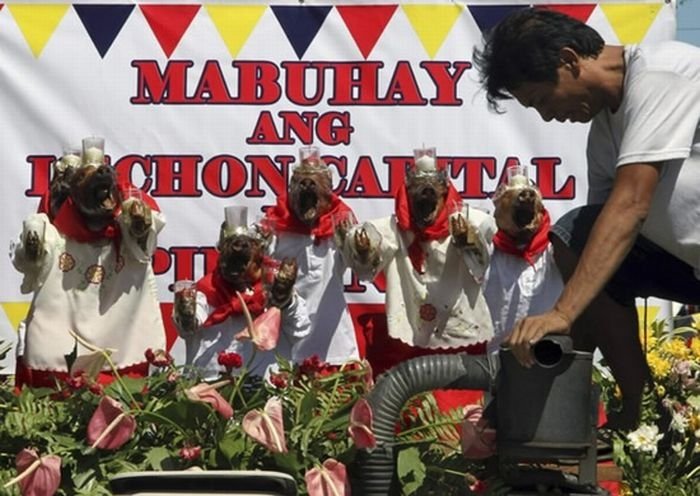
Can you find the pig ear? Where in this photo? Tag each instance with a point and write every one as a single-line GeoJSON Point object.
{"type": "Point", "coordinates": [496, 195]}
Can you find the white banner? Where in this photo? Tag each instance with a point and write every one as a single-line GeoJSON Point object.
{"type": "Point", "coordinates": [206, 105]}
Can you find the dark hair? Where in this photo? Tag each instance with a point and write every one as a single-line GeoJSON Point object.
{"type": "Point", "coordinates": [525, 47]}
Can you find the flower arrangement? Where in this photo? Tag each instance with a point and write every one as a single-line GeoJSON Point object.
{"type": "Point", "coordinates": [662, 456]}
{"type": "Point", "coordinates": [303, 421]}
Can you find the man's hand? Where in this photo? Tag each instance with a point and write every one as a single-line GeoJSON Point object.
{"type": "Point", "coordinates": [531, 329]}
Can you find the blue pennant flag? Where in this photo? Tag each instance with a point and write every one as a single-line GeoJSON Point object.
{"type": "Point", "coordinates": [301, 24]}
{"type": "Point", "coordinates": [487, 16]}
{"type": "Point", "coordinates": [103, 22]}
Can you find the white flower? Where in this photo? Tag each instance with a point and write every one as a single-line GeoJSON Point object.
{"type": "Point", "coordinates": [645, 439]}
{"type": "Point", "coordinates": [679, 422]}
{"type": "Point", "coordinates": [677, 448]}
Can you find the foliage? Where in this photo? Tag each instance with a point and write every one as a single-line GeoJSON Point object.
{"type": "Point", "coordinates": [662, 456]}
{"type": "Point", "coordinates": [175, 430]}
{"type": "Point", "coordinates": [171, 420]}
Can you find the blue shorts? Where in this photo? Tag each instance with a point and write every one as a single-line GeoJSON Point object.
{"type": "Point", "coordinates": [648, 270]}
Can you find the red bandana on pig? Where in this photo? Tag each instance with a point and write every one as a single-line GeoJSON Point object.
{"type": "Point", "coordinates": [224, 300]}
{"type": "Point", "coordinates": [69, 221]}
{"type": "Point", "coordinates": [437, 230]}
{"type": "Point", "coordinates": [284, 219]}
{"type": "Point", "coordinates": [533, 249]}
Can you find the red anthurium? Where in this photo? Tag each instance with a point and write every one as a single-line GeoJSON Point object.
{"type": "Point", "coordinates": [38, 476]}
{"type": "Point", "coordinates": [330, 479]}
{"type": "Point", "coordinates": [478, 439]}
{"type": "Point", "coordinates": [110, 427]}
{"type": "Point", "coordinates": [266, 426]}
{"type": "Point", "coordinates": [208, 394]}
{"type": "Point", "coordinates": [360, 429]}
{"type": "Point", "coordinates": [264, 330]}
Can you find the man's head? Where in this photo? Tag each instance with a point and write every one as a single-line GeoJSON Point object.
{"type": "Point", "coordinates": [310, 191]}
{"type": "Point", "coordinates": [540, 57]}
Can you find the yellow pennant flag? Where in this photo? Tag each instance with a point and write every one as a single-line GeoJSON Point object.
{"type": "Point", "coordinates": [630, 21]}
{"type": "Point", "coordinates": [432, 23]}
{"type": "Point", "coordinates": [235, 23]}
{"type": "Point", "coordinates": [15, 311]}
{"type": "Point", "coordinates": [37, 22]}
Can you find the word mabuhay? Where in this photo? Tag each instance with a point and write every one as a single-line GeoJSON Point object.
{"type": "Point", "coordinates": [306, 84]}
{"type": "Point", "coordinates": [257, 176]}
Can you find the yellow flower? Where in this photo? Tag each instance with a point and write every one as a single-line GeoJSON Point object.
{"type": "Point", "coordinates": [676, 348]}
{"type": "Point", "coordinates": [695, 346]}
{"type": "Point", "coordinates": [660, 390]}
{"type": "Point", "coordinates": [625, 490]}
{"type": "Point", "coordinates": [658, 365]}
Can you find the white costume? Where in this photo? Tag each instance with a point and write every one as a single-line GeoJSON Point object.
{"type": "Point", "coordinates": [657, 122]}
{"type": "Point", "coordinates": [104, 291]}
{"type": "Point", "coordinates": [204, 344]}
{"type": "Point", "coordinates": [320, 283]}
{"type": "Point", "coordinates": [444, 307]}
{"type": "Point", "coordinates": [515, 289]}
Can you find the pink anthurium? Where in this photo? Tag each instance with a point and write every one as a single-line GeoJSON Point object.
{"type": "Point", "coordinates": [264, 330]}
{"type": "Point", "coordinates": [266, 426]}
{"type": "Point", "coordinates": [208, 394]}
{"type": "Point", "coordinates": [329, 479]}
{"type": "Point", "coordinates": [110, 427]}
{"type": "Point", "coordinates": [478, 439]}
{"type": "Point", "coordinates": [360, 429]}
{"type": "Point", "coordinates": [38, 476]}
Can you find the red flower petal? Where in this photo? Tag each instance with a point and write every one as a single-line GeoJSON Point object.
{"type": "Point", "coordinates": [44, 479]}
{"type": "Point", "coordinates": [102, 428]}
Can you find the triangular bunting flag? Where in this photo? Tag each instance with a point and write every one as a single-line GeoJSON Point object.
{"type": "Point", "coordinates": [37, 22]}
{"type": "Point", "coordinates": [366, 23]}
{"type": "Point", "coordinates": [235, 23]}
{"type": "Point", "coordinates": [487, 16]}
{"type": "Point", "coordinates": [169, 23]}
{"type": "Point", "coordinates": [103, 22]}
{"type": "Point", "coordinates": [15, 310]}
{"type": "Point", "coordinates": [581, 11]}
{"type": "Point", "coordinates": [301, 24]}
{"type": "Point", "coordinates": [1, 5]}
{"type": "Point", "coordinates": [630, 21]}
{"type": "Point", "coordinates": [432, 23]}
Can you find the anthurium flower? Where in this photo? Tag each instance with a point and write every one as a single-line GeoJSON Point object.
{"type": "Point", "coordinates": [90, 365]}
{"type": "Point", "coordinates": [478, 439]}
{"type": "Point", "coordinates": [264, 330]}
{"type": "Point", "coordinates": [266, 426]}
{"type": "Point", "coordinates": [110, 427]}
{"type": "Point", "coordinates": [360, 429]}
{"type": "Point", "coordinates": [329, 479]}
{"type": "Point", "coordinates": [208, 394]}
{"type": "Point", "coordinates": [38, 476]}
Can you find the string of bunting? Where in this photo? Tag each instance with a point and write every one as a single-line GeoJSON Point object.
{"type": "Point", "coordinates": [299, 23]}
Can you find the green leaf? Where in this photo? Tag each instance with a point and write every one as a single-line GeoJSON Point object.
{"type": "Point", "coordinates": [410, 470]}
{"type": "Point", "coordinates": [157, 457]}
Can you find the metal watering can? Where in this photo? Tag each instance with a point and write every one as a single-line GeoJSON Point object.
{"type": "Point", "coordinates": [544, 413]}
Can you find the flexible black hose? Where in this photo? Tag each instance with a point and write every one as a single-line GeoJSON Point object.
{"type": "Point", "coordinates": [394, 388]}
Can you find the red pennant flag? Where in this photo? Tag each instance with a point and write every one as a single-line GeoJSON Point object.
{"type": "Point", "coordinates": [366, 23]}
{"type": "Point", "coordinates": [169, 23]}
{"type": "Point", "coordinates": [1, 5]}
{"type": "Point", "coordinates": [580, 12]}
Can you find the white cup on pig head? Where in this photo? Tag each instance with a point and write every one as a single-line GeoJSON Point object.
{"type": "Point", "coordinates": [93, 150]}
{"type": "Point", "coordinates": [518, 176]}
